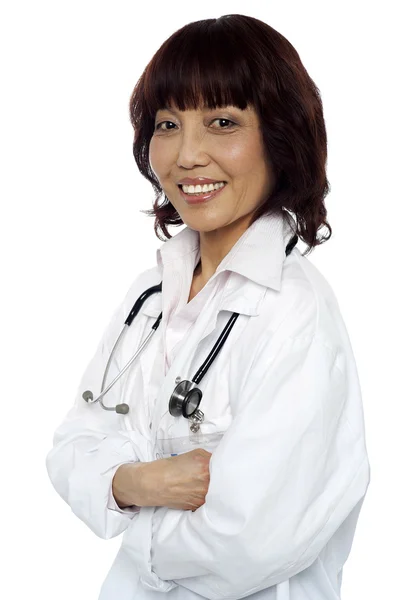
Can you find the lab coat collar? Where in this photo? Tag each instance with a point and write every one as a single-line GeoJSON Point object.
{"type": "Point", "coordinates": [257, 255]}
{"type": "Point", "coordinates": [254, 266]}
{"type": "Point", "coordinates": [255, 262]}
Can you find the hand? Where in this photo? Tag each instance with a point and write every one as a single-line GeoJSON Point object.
{"type": "Point", "coordinates": [179, 482]}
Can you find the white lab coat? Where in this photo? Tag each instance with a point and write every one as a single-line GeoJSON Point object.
{"type": "Point", "coordinates": [283, 419]}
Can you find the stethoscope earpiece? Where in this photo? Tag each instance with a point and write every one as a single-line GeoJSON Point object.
{"type": "Point", "coordinates": [88, 396]}
{"type": "Point", "coordinates": [121, 409]}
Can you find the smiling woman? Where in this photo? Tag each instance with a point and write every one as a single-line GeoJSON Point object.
{"type": "Point", "coordinates": [257, 492]}
{"type": "Point", "coordinates": [252, 118]}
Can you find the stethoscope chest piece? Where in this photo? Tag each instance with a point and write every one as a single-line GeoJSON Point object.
{"type": "Point", "coordinates": [185, 399]}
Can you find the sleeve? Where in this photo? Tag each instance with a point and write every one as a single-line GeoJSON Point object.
{"type": "Point", "coordinates": [284, 477]}
{"type": "Point", "coordinates": [90, 444]}
{"type": "Point", "coordinates": [112, 504]}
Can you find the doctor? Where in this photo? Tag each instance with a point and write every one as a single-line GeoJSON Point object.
{"type": "Point", "coordinates": [235, 465]}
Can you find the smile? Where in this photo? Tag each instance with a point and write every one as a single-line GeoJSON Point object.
{"type": "Point", "coordinates": [199, 198]}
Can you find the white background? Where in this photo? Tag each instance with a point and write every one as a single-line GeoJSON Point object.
{"type": "Point", "coordinates": [73, 239]}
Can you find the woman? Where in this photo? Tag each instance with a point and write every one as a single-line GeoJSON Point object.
{"type": "Point", "coordinates": [255, 492]}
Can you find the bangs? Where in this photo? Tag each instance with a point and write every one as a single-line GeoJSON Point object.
{"type": "Point", "coordinates": [204, 67]}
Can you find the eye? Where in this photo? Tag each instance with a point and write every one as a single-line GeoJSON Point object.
{"type": "Point", "coordinates": [232, 124]}
{"type": "Point", "coordinates": [226, 121]}
{"type": "Point", "coordinates": [162, 122]}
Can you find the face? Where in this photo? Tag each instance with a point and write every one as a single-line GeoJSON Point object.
{"type": "Point", "coordinates": [224, 144]}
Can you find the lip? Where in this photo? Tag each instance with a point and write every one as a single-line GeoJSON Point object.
{"type": "Point", "coordinates": [201, 199]}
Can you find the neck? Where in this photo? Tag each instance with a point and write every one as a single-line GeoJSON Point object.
{"type": "Point", "coordinates": [216, 244]}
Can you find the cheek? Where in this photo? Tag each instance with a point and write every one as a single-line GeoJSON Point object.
{"type": "Point", "coordinates": [154, 158]}
{"type": "Point", "coordinates": [151, 155]}
{"type": "Point", "coordinates": [251, 163]}
{"type": "Point", "coordinates": [240, 157]}
{"type": "Point", "coordinates": [159, 158]}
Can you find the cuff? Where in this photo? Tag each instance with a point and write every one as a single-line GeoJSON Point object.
{"type": "Point", "coordinates": [112, 504]}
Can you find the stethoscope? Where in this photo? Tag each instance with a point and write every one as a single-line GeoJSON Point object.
{"type": "Point", "coordinates": [186, 398]}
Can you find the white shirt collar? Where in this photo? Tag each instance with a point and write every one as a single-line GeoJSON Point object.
{"type": "Point", "coordinates": [258, 254]}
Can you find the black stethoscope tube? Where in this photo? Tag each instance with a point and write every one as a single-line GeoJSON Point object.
{"type": "Point", "coordinates": [185, 393]}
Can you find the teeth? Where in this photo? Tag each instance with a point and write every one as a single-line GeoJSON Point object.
{"type": "Point", "coordinates": [202, 189]}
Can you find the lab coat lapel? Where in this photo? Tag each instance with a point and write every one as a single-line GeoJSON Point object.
{"type": "Point", "coordinates": [240, 295]}
{"type": "Point", "coordinates": [254, 265]}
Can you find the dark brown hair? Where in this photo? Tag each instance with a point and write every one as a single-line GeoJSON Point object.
{"type": "Point", "coordinates": [239, 60]}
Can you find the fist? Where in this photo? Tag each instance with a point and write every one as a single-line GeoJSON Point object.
{"type": "Point", "coordinates": [179, 482]}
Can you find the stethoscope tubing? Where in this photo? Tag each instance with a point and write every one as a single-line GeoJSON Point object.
{"type": "Point", "coordinates": [110, 385]}
{"type": "Point", "coordinates": [135, 310]}
{"type": "Point", "coordinates": [124, 408]}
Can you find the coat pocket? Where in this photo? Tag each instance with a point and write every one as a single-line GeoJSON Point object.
{"type": "Point", "coordinates": [166, 447]}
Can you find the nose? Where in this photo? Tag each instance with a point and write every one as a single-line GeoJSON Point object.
{"type": "Point", "coordinates": [191, 150]}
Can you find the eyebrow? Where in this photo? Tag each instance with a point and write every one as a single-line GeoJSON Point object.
{"type": "Point", "coordinates": [169, 109]}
